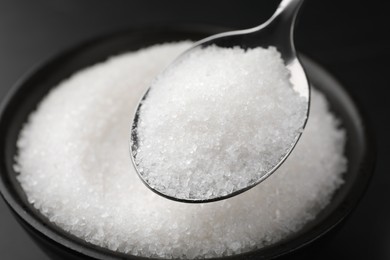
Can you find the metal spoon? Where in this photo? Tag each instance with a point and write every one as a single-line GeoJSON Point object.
{"type": "Point", "coordinates": [277, 32]}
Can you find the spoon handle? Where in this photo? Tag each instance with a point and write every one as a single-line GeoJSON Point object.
{"type": "Point", "coordinates": [280, 27]}
{"type": "Point", "coordinates": [287, 11]}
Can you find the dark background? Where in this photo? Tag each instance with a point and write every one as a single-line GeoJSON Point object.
{"type": "Point", "coordinates": [350, 38]}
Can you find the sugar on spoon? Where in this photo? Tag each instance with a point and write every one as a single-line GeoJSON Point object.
{"type": "Point", "coordinates": [278, 32]}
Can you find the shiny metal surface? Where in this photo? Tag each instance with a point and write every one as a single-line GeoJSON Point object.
{"type": "Point", "coordinates": [278, 31]}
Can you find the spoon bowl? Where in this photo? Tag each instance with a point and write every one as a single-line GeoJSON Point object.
{"type": "Point", "coordinates": [278, 32]}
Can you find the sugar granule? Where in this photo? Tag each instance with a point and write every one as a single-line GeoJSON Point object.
{"type": "Point", "coordinates": [75, 168]}
{"type": "Point", "coordinates": [217, 122]}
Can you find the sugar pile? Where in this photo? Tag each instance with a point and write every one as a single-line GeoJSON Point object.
{"type": "Point", "coordinates": [75, 168]}
{"type": "Point", "coordinates": [217, 122]}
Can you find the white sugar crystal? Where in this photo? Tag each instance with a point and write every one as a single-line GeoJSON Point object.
{"type": "Point", "coordinates": [217, 122]}
{"type": "Point", "coordinates": [76, 170]}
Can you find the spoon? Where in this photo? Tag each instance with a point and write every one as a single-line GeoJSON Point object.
{"type": "Point", "coordinates": [277, 32]}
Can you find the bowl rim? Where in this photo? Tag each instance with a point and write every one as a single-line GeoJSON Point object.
{"type": "Point", "coordinates": [346, 207]}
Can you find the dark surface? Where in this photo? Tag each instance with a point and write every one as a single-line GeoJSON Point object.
{"type": "Point", "coordinates": [350, 38]}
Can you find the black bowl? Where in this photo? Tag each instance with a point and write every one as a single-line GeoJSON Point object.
{"type": "Point", "coordinates": [26, 94]}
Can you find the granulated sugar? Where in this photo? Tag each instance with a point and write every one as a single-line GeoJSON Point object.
{"type": "Point", "coordinates": [217, 122]}
{"type": "Point", "coordinates": [75, 168]}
